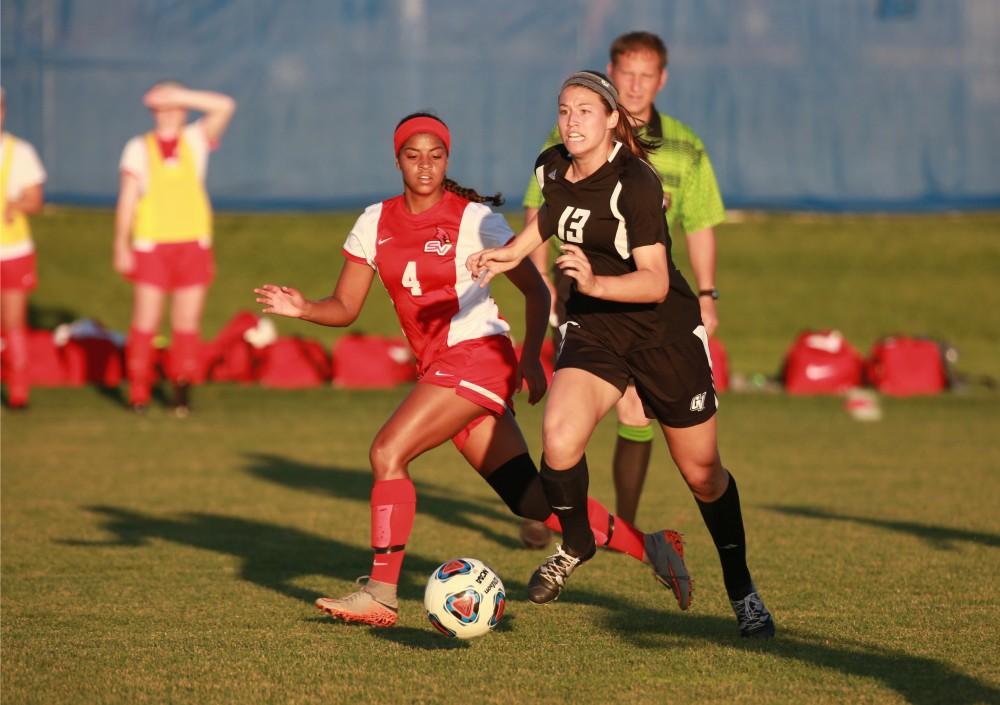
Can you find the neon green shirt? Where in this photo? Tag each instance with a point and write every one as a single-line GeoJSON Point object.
{"type": "Point", "coordinates": [689, 187]}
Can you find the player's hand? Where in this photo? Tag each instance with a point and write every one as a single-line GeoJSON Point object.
{"type": "Point", "coordinates": [9, 212]}
{"type": "Point", "coordinates": [282, 300]}
{"type": "Point", "coordinates": [486, 264]}
{"type": "Point", "coordinates": [123, 259]}
{"type": "Point", "coordinates": [163, 97]}
{"type": "Point", "coordinates": [533, 375]}
{"type": "Point", "coordinates": [709, 315]}
{"type": "Point", "coordinates": [574, 263]}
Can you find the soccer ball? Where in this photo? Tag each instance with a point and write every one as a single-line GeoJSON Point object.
{"type": "Point", "coordinates": [464, 598]}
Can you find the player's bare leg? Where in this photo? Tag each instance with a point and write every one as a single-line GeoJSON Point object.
{"type": "Point", "coordinates": [696, 453]}
{"type": "Point", "coordinates": [427, 417]}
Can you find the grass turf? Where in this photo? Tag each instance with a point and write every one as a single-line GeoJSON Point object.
{"type": "Point", "coordinates": [159, 560]}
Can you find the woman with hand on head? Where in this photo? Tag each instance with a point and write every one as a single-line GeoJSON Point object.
{"type": "Point", "coordinates": [163, 232]}
{"type": "Point", "coordinates": [468, 372]}
{"type": "Point", "coordinates": [631, 318]}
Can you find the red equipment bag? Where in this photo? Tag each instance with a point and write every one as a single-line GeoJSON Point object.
{"type": "Point", "coordinates": [232, 358]}
{"type": "Point", "coordinates": [821, 362]}
{"type": "Point", "coordinates": [93, 361]}
{"type": "Point", "coordinates": [904, 366]}
{"type": "Point", "coordinates": [720, 364]}
{"type": "Point", "coordinates": [293, 363]}
{"type": "Point", "coordinates": [371, 362]}
{"type": "Point", "coordinates": [46, 362]}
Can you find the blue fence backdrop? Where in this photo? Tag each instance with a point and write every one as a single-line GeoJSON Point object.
{"type": "Point", "coordinates": [838, 104]}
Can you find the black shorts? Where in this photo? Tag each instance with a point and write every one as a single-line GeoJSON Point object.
{"type": "Point", "coordinates": [674, 381]}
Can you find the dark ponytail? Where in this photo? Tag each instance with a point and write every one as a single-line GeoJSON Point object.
{"type": "Point", "coordinates": [471, 194]}
{"type": "Point", "coordinates": [629, 136]}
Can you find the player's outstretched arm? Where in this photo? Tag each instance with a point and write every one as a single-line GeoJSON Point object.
{"type": "Point", "coordinates": [486, 264]}
{"type": "Point", "coordinates": [339, 309]}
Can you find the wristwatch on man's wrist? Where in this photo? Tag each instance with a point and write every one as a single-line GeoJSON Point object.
{"type": "Point", "coordinates": [714, 293]}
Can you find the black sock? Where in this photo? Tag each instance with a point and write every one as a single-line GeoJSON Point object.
{"type": "Point", "coordinates": [567, 493]}
{"type": "Point", "coordinates": [725, 523]}
{"type": "Point", "coordinates": [519, 486]}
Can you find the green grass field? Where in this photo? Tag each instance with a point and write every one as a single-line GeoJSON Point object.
{"type": "Point", "coordinates": [151, 559]}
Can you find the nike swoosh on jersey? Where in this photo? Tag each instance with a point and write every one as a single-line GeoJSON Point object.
{"type": "Point", "coordinates": [385, 240]}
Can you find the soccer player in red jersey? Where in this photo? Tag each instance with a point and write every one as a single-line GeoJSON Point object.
{"type": "Point", "coordinates": [418, 243]}
{"type": "Point", "coordinates": [631, 318]}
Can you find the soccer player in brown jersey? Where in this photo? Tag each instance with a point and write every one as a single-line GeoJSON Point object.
{"type": "Point", "coordinates": [631, 316]}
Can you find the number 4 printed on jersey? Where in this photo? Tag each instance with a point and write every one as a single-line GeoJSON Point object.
{"type": "Point", "coordinates": [571, 224]}
{"type": "Point", "coordinates": [410, 280]}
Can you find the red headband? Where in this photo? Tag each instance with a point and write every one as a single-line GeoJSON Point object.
{"type": "Point", "coordinates": [419, 124]}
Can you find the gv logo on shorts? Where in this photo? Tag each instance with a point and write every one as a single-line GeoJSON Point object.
{"type": "Point", "coordinates": [698, 402]}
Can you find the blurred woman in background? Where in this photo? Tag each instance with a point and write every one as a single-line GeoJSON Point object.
{"type": "Point", "coordinates": [22, 179]}
{"type": "Point", "coordinates": [163, 232]}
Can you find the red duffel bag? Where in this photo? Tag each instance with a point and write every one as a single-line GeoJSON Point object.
{"type": "Point", "coordinates": [370, 362]}
{"type": "Point", "coordinates": [293, 363]}
{"type": "Point", "coordinates": [905, 366]}
{"type": "Point", "coordinates": [821, 362]}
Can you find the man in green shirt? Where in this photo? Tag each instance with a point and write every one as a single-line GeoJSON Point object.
{"type": "Point", "coordinates": [638, 67]}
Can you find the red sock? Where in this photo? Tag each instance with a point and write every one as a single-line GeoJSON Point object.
{"type": "Point", "coordinates": [184, 356]}
{"type": "Point", "coordinates": [610, 531]}
{"type": "Point", "coordinates": [139, 365]}
{"type": "Point", "coordinates": [394, 503]}
{"type": "Point", "coordinates": [15, 358]}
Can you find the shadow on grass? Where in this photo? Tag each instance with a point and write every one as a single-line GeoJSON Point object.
{"type": "Point", "coordinates": [356, 485]}
{"type": "Point", "coordinates": [940, 537]}
{"type": "Point", "coordinates": [271, 556]}
{"type": "Point", "coordinates": [274, 557]}
{"type": "Point", "coordinates": [919, 680]}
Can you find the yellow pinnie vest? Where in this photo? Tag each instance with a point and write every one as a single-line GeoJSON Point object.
{"type": "Point", "coordinates": [175, 206]}
{"type": "Point", "coordinates": [17, 232]}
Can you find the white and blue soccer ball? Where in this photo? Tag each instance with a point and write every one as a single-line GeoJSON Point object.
{"type": "Point", "coordinates": [464, 598]}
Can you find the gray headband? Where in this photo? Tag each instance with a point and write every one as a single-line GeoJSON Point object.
{"type": "Point", "coordinates": [597, 83]}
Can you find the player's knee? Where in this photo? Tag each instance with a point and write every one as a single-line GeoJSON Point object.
{"type": "Point", "coordinates": [707, 480]}
{"type": "Point", "coordinates": [387, 460]}
{"type": "Point", "coordinates": [561, 446]}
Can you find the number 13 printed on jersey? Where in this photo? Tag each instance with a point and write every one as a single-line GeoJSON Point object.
{"type": "Point", "coordinates": [571, 224]}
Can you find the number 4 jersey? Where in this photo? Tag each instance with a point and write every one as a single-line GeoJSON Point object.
{"type": "Point", "coordinates": [420, 259]}
{"type": "Point", "coordinates": [608, 214]}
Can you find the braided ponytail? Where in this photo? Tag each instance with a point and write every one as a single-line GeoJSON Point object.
{"type": "Point", "coordinates": [471, 194]}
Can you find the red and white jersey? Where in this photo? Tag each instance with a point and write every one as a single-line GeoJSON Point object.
{"type": "Point", "coordinates": [420, 259]}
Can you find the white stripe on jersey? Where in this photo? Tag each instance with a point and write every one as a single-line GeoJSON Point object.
{"type": "Point", "coordinates": [540, 176]}
{"type": "Point", "coordinates": [478, 315]}
{"type": "Point", "coordinates": [614, 150]}
{"type": "Point", "coordinates": [362, 241]}
{"type": "Point", "coordinates": [621, 235]}
{"type": "Point", "coordinates": [484, 391]}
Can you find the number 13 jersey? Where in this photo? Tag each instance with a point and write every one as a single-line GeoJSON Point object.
{"type": "Point", "coordinates": [614, 210]}
{"type": "Point", "coordinates": [420, 259]}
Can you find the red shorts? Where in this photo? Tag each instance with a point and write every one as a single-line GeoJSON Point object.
{"type": "Point", "coordinates": [174, 265]}
{"type": "Point", "coordinates": [18, 274]}
{"type": "Point", "coordinates": [483, 370]}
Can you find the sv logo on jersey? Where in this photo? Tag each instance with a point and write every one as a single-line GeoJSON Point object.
{"type": "Point", "coordinates": [571, 224]}
{"type": "Point", "coordinates": [441, 242]}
